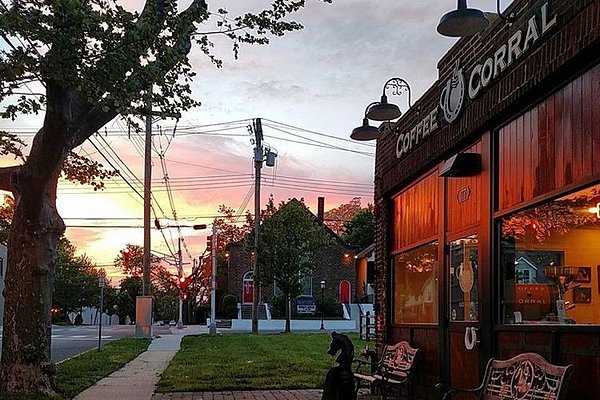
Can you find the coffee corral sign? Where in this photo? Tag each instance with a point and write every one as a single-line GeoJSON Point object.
{"type": "Point", "coordinates": [481, 75]}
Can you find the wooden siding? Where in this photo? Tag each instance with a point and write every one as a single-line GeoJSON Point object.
{"type": "Point", "coordinates": [464, 199]}
{"type": "Point", "coordinates": [416, 212]}
{"type": "Point", "coordinates": [555, 144]}
{"type": "Point", "coordinates": [464, 365]}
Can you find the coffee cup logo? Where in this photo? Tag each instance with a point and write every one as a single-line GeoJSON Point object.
{"type": "Point", "coordinates": [453, 94]}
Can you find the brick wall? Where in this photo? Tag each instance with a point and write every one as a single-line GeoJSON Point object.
{"type": "Point", "coordinates": [334, 265]}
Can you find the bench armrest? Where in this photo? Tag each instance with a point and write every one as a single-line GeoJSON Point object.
{"type": "Point", "coordinates": [361, 363]}
{"type": "Point", "coordinates": [390, 373]}
{"type": "Point", "coordinates": [449, 392]}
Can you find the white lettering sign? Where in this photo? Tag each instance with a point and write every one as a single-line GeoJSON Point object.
{"type": "Point", "coordinates": [406, 141]}
{"type": "Point", "coordinates": [517, 45]}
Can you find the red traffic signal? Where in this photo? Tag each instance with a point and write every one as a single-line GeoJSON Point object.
{"type": "Point", "coordinates": [184, 282]}
{"type": "Point", "coordinates": [126, 257]}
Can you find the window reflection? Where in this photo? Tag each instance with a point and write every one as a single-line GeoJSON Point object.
{"type": "Point", "coordinates": [550, 257]}
{"type": "Point", "coordinates": [416, 285]}
{"type": "Point", "coordinates": [464, 277]}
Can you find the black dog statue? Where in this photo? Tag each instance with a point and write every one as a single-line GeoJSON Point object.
{"type": "Point", "coordinates": [339, 382]}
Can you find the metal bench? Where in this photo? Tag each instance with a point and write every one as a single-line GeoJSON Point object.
{"type": "Point", "coordinates": [391, 374]}
{"type": "Point", "coordinates": [527, 376]}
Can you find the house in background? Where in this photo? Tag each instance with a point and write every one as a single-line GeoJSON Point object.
{"type": "Point", "coordinates": [336, 267]}
{"type": "Point", "coordinates": [365, 275]}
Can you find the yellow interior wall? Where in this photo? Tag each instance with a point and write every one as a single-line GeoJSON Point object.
{"type": "Point", "coordinates": [581, 248]}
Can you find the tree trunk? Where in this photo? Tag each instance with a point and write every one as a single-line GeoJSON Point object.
{"type": "Point", "coordinates": [26, 365]}
{"type": "Point", "coordinates": [32, 243]}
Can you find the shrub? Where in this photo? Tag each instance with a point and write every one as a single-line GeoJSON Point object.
{"type": "Point", "coordinates": [330, 307]}
{"type": "Point", "coordinates": [278, 307]}
{"type": "Point", "coordinates": [229, 307]}
{"type": "Point", "coordinates": [78, 319]}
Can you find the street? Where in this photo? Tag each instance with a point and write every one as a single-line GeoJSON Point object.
{"type": "Point", "coordinates": [68, 341]}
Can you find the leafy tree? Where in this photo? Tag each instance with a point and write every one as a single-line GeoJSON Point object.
{"type": "Point", "coordinates": [338, 217]}
{"type": "Point", "coordinates": [163, 282]}
{"type": "Point", "coordinates": [131, 287]}
{"type": "Point", "coordinates": [360, 231]}
{"type": "Point", "coordinates": [228, 229]}
{"type": "Point", "coordinates": [95, 60]}
{"type": "Point", "coordinates": [289, 242]}
{"type": "Point", "coordinates": [6, 213]}
{"type": "Point", "coordinates": [110, 300]}
{"type": "Point", "coordinates": [76, 281]}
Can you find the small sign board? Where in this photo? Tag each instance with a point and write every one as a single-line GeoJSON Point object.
{"type": "Point", "coordinates": [305, 305]}
{"type": "Point", "coordinates": [101, 278]}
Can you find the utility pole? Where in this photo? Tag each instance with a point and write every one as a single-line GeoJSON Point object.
{"type": "Point", "coordinates": [260, 155]}
{"type": "Point", "coordinates": [213, 293]}
{"type": "Point", "coordinates": [180, 270]}
{"type": "Point", "coordinates": [143, 313]}
{"type": "Point", "coordinates": [258, 160]}
{"type": "Point", "coordinates": [147, 195]}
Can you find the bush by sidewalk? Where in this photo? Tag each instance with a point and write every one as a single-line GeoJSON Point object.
{"type": "Point", "coordinates": [250, 362]}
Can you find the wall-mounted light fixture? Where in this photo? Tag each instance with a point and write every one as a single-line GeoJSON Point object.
{"type": "Point", "coordinates": [382, 110]}
{"type": "Point", "coordinates": [466, 21]}
{"type": "Point", "coordinates": [365, 131]}
{"type": "Point", "coordinates": [461, 165]}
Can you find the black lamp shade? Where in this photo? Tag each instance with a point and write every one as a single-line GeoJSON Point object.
{"type": "Point", "coordinates": [365, 132]}
{"type": "Point", "coordinates": [462, 22]}
{"type": "Point", "coordinates": [384, 112]}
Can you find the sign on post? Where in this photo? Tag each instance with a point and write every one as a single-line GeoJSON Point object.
{"type": "Point", "coordinates": [101, 278]}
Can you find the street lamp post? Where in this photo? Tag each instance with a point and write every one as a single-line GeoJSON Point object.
{"type": "Point", "coordinates": [322, 297]}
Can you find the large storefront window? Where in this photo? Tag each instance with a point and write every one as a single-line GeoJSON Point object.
{"type": "Point", "coordinates": [464, 276]}
{"type": "Point", "coordinates": [416, 285]}
{"type": "Point", "coordinates": [551, 261]}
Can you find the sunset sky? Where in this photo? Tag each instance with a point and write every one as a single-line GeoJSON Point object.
{"type": "Point", "coordinates": [310, 88]}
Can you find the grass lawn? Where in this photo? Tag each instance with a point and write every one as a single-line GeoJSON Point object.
{"type": "Point", "coordinates": [251, 361]}
{"type": "Point", "coordinates": [77, 374]}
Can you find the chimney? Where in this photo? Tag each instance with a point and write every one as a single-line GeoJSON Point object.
{"type": "Point", "coordinates": [321, 208]}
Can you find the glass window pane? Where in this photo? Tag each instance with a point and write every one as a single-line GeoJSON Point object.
{"type": "Point", "coordinates": [464, 277]}
{"type": "Point", "coordinates": [416, 285]}
{"type": "Point", "coordinates": [550, 256]}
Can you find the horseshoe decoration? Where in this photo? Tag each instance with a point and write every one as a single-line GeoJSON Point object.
{"type": "Point", "coordinates": [471, 337]}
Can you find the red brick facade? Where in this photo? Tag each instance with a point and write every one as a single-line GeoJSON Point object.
{"type": "Point", "coordinates": [335, 264]}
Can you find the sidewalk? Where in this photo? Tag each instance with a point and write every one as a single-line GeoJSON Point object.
{"type": "Point", "coordinates": [137, 379]}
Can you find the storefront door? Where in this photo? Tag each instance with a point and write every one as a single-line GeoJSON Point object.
{"type": "Point", "coordinates": [464, 327]}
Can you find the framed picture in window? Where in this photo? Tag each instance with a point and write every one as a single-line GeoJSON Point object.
{"type": "Point", "coordinates": [584, 274]}
{"type": "Point", "coordinates": [582, 295]}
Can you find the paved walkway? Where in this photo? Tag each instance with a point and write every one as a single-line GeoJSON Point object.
{"type": "Point", "coordinates": [137, 379]}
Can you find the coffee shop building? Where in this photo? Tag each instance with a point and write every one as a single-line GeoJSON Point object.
{"type": "Point", "coordinates": [487, 194]}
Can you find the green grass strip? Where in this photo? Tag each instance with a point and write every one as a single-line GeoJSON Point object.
{"type": "Point", "coordinates": [251, 361]}
{"type": "Point", "coordinates": [77, 374]}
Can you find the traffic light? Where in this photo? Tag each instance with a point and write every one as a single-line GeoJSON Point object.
{"type": "Point", "coordinates": [126, 257]}
{"type": "Point", "coordinates": [184, 283]}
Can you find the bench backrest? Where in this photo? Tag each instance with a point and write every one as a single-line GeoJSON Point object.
{"type": "Point", "coordinates": [399, 358]}
{"type": "Point", "coordinates": [527, 376]}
